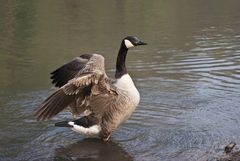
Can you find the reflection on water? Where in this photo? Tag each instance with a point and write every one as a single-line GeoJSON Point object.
{"type": "Point", "coordinates": [91, 149]}
{"type": "Point", "coordinates": [188, 76]}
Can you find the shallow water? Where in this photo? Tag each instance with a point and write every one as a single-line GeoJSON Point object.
{"type": "Point", "coordinates": [188, 76]}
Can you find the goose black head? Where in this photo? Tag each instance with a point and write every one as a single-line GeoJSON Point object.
{"type": "Point", "coordinates": [132, 41]}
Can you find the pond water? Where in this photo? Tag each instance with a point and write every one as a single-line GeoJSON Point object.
{"type": "Point", "coordinates": [188, 76]}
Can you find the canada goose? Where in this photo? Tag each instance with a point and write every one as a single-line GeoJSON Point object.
{"type": "Point", "coordinates": [86, 89]}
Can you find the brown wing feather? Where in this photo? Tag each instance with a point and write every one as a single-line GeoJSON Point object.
{"type": "Point", "coordinates": [53, 105]}
{"type": "Point", "coordinates": [66, 95]}
{"type": "Point", "coordinates": [75, 79]}
{"type": "Point", "coordinates": [77, 67]}
{"type": "Point", "coordinates": [68, 71]}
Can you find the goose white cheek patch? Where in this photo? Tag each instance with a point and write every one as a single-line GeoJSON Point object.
{"type": "Point", "coordinates": [128, 44]}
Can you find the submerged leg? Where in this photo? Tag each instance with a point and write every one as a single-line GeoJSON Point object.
{"type": "Point", "coordinates": [107, 138]}
{"type": "Point", "coordinates": [73, 110]}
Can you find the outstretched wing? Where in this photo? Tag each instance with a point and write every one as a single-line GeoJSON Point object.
{"type": "Point", "coordinates": [75, 80]}
{"type": "Point", "coordinates": [76, 88]}
{"type": "Point", "coordinates": [79, 65]}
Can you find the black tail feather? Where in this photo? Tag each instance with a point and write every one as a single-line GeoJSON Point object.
{"type": "Point", "coordinates": [63, 124]}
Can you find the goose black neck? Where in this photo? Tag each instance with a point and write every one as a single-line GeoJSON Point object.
{"type": "Point", "coordinates": [120, 65]}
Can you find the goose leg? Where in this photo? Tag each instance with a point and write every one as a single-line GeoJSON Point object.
{"type": "Point", "coordinates": [74, 112]}
{"type": "Point", "coordinates": [107, 138]}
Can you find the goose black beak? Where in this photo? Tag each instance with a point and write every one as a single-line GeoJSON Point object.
{"type": "Point", "coordinates": [141, 43]}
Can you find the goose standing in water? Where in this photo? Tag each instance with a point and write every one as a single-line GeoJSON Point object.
{"type": "Point", "coordinates": [85, 88]}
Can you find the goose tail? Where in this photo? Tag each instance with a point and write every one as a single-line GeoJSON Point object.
{"type": "Point", "coordinates": [63, 124]}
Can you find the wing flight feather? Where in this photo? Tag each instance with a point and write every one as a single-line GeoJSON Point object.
{"type": "Point", "coordinates": [75, 80]}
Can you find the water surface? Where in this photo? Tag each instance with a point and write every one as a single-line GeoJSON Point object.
{"type": "Point", "coordinates": [188, 76]}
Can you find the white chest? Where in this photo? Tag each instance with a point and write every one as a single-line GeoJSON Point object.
{"type": "Point", "coordinates": [125, 83]}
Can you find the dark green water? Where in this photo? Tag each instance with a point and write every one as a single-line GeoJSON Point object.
{"type": "Point", "coordinates": [188, 76]}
